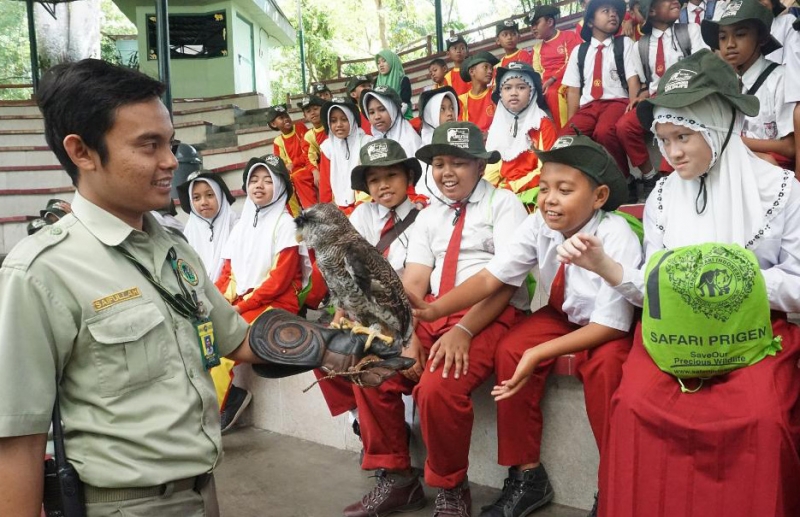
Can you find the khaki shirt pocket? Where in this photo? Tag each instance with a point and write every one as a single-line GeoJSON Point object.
{"type": "Point", "coordinates": [129, 349]}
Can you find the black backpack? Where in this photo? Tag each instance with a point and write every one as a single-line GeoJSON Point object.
{"type": "Point", "coordinates": [619, 59]}
{"type": "Point", "coordinates": [681, 32]}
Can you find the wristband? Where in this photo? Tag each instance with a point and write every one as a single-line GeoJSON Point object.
{"type": "Point", "coordinates": [465, 329]}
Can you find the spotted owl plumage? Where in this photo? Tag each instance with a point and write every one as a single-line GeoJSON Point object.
{"type": "Point", "coordinates": [360, 280]}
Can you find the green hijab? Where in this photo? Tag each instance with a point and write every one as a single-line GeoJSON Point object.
{"type": "Point", "coordinates": [395, 75]}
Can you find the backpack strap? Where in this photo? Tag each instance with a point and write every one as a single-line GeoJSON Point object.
{"type": "Point", "coordinates": [684, 16]}
{"type": "Point", "coordinates": [619, 60]}
{"type": "Point", "coordinates": [398, 229]}
{"type": "Point", "coordinates": [582, 50]}
{"type": "Point", "coordinates": [644, 54]}
{"type": "Point", "coordinates": [761, 78]}
{"type": "Point", "coordinates": [681, 31]}
{"type": "Point", "coordinates": [711, 6]}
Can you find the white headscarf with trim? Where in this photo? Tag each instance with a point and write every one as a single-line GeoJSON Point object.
{"type": "Point", "coordinates": [501, 135]}
{"type": "Point", "coordinates": [744, 192]}
{"type": "Point", "coordinates": [259, 236]}
{"type": "Point", "coordinates": [400, 130]}
{"type": "Point", "coordinates": [344, 157]}
{"type": "Point", "coordinates": [208, 236]}
{"type": "Point", "coordinates": [430, 116]}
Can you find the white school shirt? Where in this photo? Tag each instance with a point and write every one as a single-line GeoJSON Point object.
{"type": "Point", "coordinates": [778, 254]}
{"type": "Point", "coordinates": [493, 218]}
{"type": "Point", "coordinates": [788, 55]}
{"type": "Point", "coordinates": [587, 297]}
{"type": "Point", "coordinates": [775, 116]}
{"type": "Point", "coordinates": [719, 10]}
{"type": "Point", "coordinates": [612, 87]}
{"type": "Point", "coordinates": [369, 219]}
{"type": "Point", "coordinates": [672, 51]}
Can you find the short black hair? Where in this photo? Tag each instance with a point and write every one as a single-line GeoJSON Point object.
{"type": "Point", "coordinates": [439, 62]}
{"type": "Point", "coordinates": [82, 98]}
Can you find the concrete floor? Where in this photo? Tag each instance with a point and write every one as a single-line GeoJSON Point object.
{"type": "Point", "coordinates": [266, 474]}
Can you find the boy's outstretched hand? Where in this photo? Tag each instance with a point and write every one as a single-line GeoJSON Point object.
{"type": "Point", "coordinates": [525, 368]}
{"type": "Point", "coordinates": [422, 310]}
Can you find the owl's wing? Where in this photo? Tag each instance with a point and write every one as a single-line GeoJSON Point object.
{"type": "Point", "coordinates": [360, 267]}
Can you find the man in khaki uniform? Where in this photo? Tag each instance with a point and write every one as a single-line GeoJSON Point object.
{"type": "Point", "coordinates": [76, 307]}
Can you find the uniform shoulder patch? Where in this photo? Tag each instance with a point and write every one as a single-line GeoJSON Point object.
{"type": "Point", "coordinates": [25, 252]}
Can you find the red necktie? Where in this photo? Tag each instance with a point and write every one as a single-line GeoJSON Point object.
{"type": "Point", "coordinates": [697, 14]}
{"type": "Point", "coordinates": [450, 266]}
{"type": "Point", "coordinates": [597, 77]}
{"type": "Point", "coordinates": [660, 65]}
{"type": "Point", "coordinates": [386, 227]}
{"type": "Point", "coordinates": [557, 289]}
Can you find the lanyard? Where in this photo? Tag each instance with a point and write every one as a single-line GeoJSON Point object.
{"type": "Point", "coordinates": [184, 304]}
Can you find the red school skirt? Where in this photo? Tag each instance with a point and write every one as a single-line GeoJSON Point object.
{"type": "Point", "coordinates": [729, 450]}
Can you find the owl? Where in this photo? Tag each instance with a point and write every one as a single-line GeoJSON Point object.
{"type": "Point", "coordinates": [360, 280]}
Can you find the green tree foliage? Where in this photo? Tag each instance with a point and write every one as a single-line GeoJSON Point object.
{"type": "Point", "coordinates": [15, 64]}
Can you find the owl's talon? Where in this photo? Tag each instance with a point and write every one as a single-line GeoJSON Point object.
{"type": "Point", "coordinates": [371, 334]}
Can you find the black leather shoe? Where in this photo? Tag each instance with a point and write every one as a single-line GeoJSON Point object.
{"type": "Point", "coordinates": [523, 492]}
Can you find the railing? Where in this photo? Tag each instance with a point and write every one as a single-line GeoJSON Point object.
{"type": "Point", "coordinates": [427, 46]}
{"type": "Point", "coordinates": [4, 87]}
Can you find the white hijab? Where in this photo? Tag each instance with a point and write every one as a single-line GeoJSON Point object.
{"type": "Point", "coordinates": [208, 236]}
{"type": "Point", "coordinates": [400, 129]}
{"type": "Point", "coordinates": [344, 157]}
{"type": "Point", "coordinates": [508, 133]}
{"type": "Point", "coordinates": [258, 237]}
{"type": "Point", "coordinates": [430, 116]}
{"type": "Point", "coordinates": [744, 192]}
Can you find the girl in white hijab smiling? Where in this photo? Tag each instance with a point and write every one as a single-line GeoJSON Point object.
{"type": "Point", "coordinates": [519, 125]}
{"type": "Point", "coordinates": [731, 448]}
{"type": "Point", "coordinates": [264, 265]}
{"type": "Point", "coordinates": [339, 153]}
{"type": "Point", "coordinates": [207, 200]}
{"type": "Point", "coordinates": [382, 107]}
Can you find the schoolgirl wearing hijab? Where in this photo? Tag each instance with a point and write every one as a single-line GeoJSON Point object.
{"type": "Point", "coordinates": [339, 153]}
{"type": "Point", "coordinates": [519, 125]}
{"type": "Point", "coordinates": [382, 106]}
{"type": "Point", "coordinates": [392, 74]}
{"type": "Point", "coordinates": [207, 200]}
{"type": "Point", "coordinates": [731, 448]}
{"type": "Point", "coordinates": [264, 265]}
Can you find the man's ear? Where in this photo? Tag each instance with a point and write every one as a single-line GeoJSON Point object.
{"type": "Point", "coordinates": [84, 158]}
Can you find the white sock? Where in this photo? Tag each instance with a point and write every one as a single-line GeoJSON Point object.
{"type": "Point", "coordinates": [650, 174]}
{"type": "Point", "coordinates": [352, 415]}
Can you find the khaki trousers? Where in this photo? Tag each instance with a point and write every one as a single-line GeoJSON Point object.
{"type": "Point", "coordinates": [186, 503]}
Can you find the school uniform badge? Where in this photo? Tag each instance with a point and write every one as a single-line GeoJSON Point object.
{"type": "Point", "coordinates": [187, 272]}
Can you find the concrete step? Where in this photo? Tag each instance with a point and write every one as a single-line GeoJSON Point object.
{"type": "Point", "coordinates": [219, 115]}
{"type": "Point", "coordinates": [27, 156]}
{"type": "Point", "coordinates": [19, 108]}
{"type": "Point", "coordinates": [255, 134]}
{"type": "Point", "coordinates": [193, 133]}
{"type": "Point", "coordinates": [22, 202]}
{"type": "Point", "coordinates": [22, 137]}
{"type": "Point", "coordinates": [215, 158]}
{"type": "Point", "coordinates": [245, 101]}
{"type": "Point", "coordinates": [15, 122]}
{"type": "Point", "coordinates": [22, 177]}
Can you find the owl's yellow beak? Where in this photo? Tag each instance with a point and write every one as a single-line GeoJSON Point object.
{"type": "Point", "coordinates": [298, 236]}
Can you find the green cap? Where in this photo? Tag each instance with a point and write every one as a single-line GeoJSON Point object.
{"type": "Point", "coordinates": [548, 10]}
{"type": "Point", "coordinates": [355, 81]}
{"type": "Point", "coordinates": [317, 88]}
{"type": "Point", "coordinates": [36, 224]}
{"type": "Point", "coordinates": [475, 59]}
{"type": "Point", "coordinates": [693, 79]}
{"type": "Point", "coordinates": [310, 100]}
{"type": "Point", "coordinates": [383, 91]}
{"type": "Point", "coordinates": [586, 30]}
{"type": "Point", "coordinates": [56, 207]}
{"type": "Point", "coordinates": [592, 159]}
{"type": "Point", "coordinates": [455, 40]}
{"type": "Point", "coordinates": [506, 25]}
{"type": "Point", "coordinates": [274, 111]}
{"type": "Point", "coordinates": [739, 11]}
{"type": "Point", "coordinates": [274, 165]}
{"type": "Point", "coordinates": [341, 103]}
{"type": "Point", "coordinates": [383, 152]}
{"type": "Point", "coordinates": [183, 189]}
{"type": "Point", "coordinates": [462, 139]}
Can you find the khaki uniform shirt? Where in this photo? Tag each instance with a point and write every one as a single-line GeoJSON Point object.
{"type": "Point", "coordinates": [139, 408]}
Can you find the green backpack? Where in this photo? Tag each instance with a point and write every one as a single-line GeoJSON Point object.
{"type": "Point", "coordinates": [706, 311]}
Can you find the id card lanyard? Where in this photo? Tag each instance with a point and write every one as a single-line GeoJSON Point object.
{"type": "Point", "coordinates": [185, 304]}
